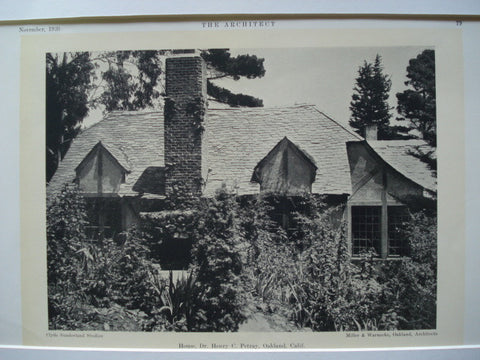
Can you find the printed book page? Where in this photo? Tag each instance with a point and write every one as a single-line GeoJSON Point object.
{"type": "Point", "coordinates": [242, 185]}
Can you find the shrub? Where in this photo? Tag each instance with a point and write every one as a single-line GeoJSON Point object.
{"type": "Point", "coordinates": [177, 309]}
{"type": "Point", "coordinates": [332, 293]}
{"type": "Point", "coordinates": [85, 276]}
{"type": "Point", "coordinates": [120, 272]}
{"type": "Point", "coordinates": [411, 283]}
{"type": "Point", "coordinates": [308, 276]}
{"type": "Point", "coordinates": [66, 220]}
{"type": "Point", "coordinates": [218, 263]}
{"type": "Point", "coordinates": [238, 251]}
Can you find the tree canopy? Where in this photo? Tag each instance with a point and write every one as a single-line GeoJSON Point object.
{"type": "Point", "coordinates": [221, 64]}
{"type": "Point", "coordinates": [68, 84]}
{"type": "Point", "coordinates": [418, 104]}
{"type": "Point", "coordinates": [369, 105]}
{"type": "Point", "coordinates": [77, 82]}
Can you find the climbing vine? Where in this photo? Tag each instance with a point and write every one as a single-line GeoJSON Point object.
{"type": "Point", "coordinates": [196, 109]}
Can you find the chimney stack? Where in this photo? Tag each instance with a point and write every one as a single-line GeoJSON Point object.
{"type": "Point", "coordinates": [371, 132]}
{"type": "Point", "coordinates": [184, 114]}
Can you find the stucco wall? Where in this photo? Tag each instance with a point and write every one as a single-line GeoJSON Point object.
{"type": "Point", "coordinates": [100, 174]}
{"type": "Point", "coordinates": [370, 175]}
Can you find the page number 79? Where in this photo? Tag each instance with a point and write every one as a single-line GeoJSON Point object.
{"type": "Point", "coordinates": [459, 22]}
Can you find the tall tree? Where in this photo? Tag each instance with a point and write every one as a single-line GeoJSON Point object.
{"type": "Point", "coordinates": [418, 104]}
{"type": "Point", "coordinates": [131, 80]}
{"type": "Point", "coordinates": [369, 105]}
{"type": "Point", "coordinates": [124, 80]}
{"type": "Point", "coordinates": [68, 83]}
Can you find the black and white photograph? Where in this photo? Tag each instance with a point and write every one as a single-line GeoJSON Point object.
{"type": "Point", "coordinates": [249, 190]}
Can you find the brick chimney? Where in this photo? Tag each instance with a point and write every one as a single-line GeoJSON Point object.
{"type": "Point", "coordinates": [184, 113]}
{"type": "Point", "coordinates": [371, 132]}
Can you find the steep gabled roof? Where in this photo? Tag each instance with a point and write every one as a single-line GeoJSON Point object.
{"type": "Point", "coordinates": [398, 154]}
{"type": "Point", "coordinates": [118, 158]}
{"type": "Point", "coordinates": [282, 146]}
{"type": "Point", "coordinates": [135, 139]}
{"type": "Point", "coordinates": [236, 140]}
{"type": "Point", "coordinates": [239, 138]}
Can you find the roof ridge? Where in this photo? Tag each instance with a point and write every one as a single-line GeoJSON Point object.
{"type": "Point", "coordinates": [338, 124]}
{"type": "Point", "coordinates": [141, 111]}
{"type": "Point", "coordinates": [398, 141]}
{"type": "Point", "coordinates": [296, 106]}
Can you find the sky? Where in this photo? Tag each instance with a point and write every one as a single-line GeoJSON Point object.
{"type": "Point", "coordinates": [324, 77]}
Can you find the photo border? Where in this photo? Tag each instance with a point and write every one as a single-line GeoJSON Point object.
{"type": "Point", "coordinates": [431, 352]}
{"type": "Point", "coordinates": [447, 42]}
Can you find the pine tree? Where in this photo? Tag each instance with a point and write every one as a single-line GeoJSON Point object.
{"type": "Point", "coordinates": [418, 105]}
{"type": "Point", "coordinates": [369, 104]}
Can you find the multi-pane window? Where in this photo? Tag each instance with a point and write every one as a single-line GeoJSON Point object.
{"type": "Point", "coordinates": [283, 212]}
{"type": "Point", "coordinates": [367, 231]}
{"type": "Point", "coordinates": [397, 217]}
{"type": "Point", "coordinates": [104, 217]}
{"type": "Point", "coordinates": [366, 228]}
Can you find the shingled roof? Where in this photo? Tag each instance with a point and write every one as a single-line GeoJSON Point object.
{"type": "Point", "coordinates": [398, 154]}
{"type": "Point", "coordinates": [135, 139]}
{"type": "Point", "coordinates": [239, 138]}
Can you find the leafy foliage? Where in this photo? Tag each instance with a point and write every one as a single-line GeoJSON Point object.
{"type": "Point", "coordinates": [224, 64]}
{"type": "Point", "coordinates": [130, 80]}
{"type": "Point", "coordinates": [411, 284]}
{"type": "Point", "coordinates": [68, 84]}
{"type": "Point", "coordinates": [417, 105]}
{"type": "Point", "coordinates": [77, 82]}
{"type": "Point", "coordinates": [227, 97]}
{"type": "Point", "coordinates": [312, 280]}
{"type": "Point", "coordinates": [242, 261]}
{"type": "Point", "coordinates": [221, 64]}
{"type": "Point", "coordinates": [84, 276]}
{"type": "Point", "coordinates": [218, 261]}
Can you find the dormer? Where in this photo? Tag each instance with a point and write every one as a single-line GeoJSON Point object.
{"type": "Point", "coordinates": [100, 173]}
{"type": "Point", "coordinates": [286, 170]}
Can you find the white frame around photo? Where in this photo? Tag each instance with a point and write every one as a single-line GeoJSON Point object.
{"type": "Point", "coordinates": [72, 34]}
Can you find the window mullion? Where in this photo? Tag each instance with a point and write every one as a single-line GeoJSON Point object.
{"type": "Point", "coordinates": [384, 217]}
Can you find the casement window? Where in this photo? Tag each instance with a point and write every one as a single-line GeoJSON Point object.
{"type": "Point", "coordinates": [397, 218]}
{"type": "Point", "coordinates": [283, 212]}
{"type": "Point", "coordinates": [104, 217]}
{"type": "Point", "coordinates": [371, 229]}
{"type": "Point", "coordinates": [366, 229]}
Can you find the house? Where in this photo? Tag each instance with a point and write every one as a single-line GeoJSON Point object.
{"type": "Point", "coordinates": [130, 161]}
